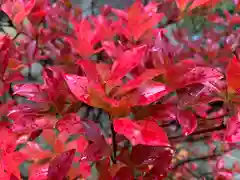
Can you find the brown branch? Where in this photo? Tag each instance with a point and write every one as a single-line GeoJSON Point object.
{"type": "Point", "coordinates": [145, 2]}
{"type": "Point", "coordinates": [93, 7]}
{"type": "Point", "coordinates": [87, 112]}
{"type": "Point", "coordinates": [218, 128]}
{"type": "Point", "coordinates": [202, 158]}
{"type": "Point", "coordinates": [114, 143]}
{"type": "Point", "coordinates": [236, 54]}
{"type": "Point", "coordinates": [168, 23]}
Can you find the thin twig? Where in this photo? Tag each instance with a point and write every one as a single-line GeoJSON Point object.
{"type": "Point", "coordinates": [114, 143]}
{"type": "Point", "coordinates": [192, 172]}
{"type": "Point", "coordinates": [218, 128]}
{"type": "Point", "coordinates": [10, 91]}
{"type": "Point", "coordinates": [202, 158]}
{"type": "Point", "coordinates": [87, 113]}
{"type": "Point", "coordinates": [93, 7]}
{"type": "Point", "coordinates": [145, 2]}
{"type": "Point", "coordinates": [97, 117]}
{"type": "Point", "coordinates": [168, 23]}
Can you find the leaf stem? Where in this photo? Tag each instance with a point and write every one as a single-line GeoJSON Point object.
{"type": "Point", "coordinates": [218, 128]}
{"type": "Point", "coordinates": [202, 158]}
{"type": "Point", "coordinates": [114, 143]}
{"type": "Point", "coordinates": [145, 2]}
{"type": "Point", "coordinates": [93, 6]}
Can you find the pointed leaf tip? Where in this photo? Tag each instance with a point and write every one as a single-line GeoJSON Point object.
{"type": "Point", "coordinates": [188, 121]}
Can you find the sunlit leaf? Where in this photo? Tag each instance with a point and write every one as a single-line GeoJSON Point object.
{"type": "Point", "coordinates": [141, 132]}
{"type": "Point", "coordinates": [78, 86]}
{"type": "Point", "coordinates": [188, 72]}
{"type": "Point", "coordinates": [126, 62]}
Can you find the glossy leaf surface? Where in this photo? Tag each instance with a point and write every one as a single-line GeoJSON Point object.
{"type": "Point", "coordinates": [60, 166]}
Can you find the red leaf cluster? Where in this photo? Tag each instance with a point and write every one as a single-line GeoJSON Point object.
{"type": "Point", "coordinates": [123, 64]}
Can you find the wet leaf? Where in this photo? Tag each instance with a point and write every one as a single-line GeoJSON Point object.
{"type": "Point", "coordinates": [78, 86]}
{"type": "Point", "coordinates": [141, 132]}
{"type": "Point", "coordinates": [188, 72]}
{"type": "Point", "coordinates": [60, 166]}
{"type": "Point", "coordinates": [188, 121]}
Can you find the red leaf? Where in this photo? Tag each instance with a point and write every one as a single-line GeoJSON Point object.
{"type": "Point", "coordinates": [111, 49]}
{"type": "Point", "coordinates": [187, 72]}
{"type": "Point", "coordinates": [31, 91]}
{"type": "Point", "coordinates": [12, 161]}
{"type": "Point", "coordinates": [182, 4]}
{"type": "Point", "coordinates": [58, 146]}
{"type": "Point", "coordinates": [161, 166]}
{"type": "Point", "coordinates": [34, 152]}
{"type": "Point", "coordinates": [197, 3]}
{"type": "Point", "coordinates": [188, 121]}
{"type": "Point", "coordinates": [31, 50]}
{"type": "Point", "coordinates": [4, 88]}
{"type": "Point", "coordinates": [98, 148]}
{"type": "Point", "coordinates": [202, 110]}
{"type": "Point", "coordinates": [19, 17]}
{"type": "Point", "coordinates": [100, 99]}
{"type": "Point", "coordinates": [37, 16]}
{"type": "Point", "coordinates": [85, 42]}
{"type": "Point", "coordinates": [104, 28]}
{"type": "Point", "coordinates": [224, 175]}
{"type": "Point", "coordinates": [147, 155]}
{"type": "Point", "coordinates": [4, 61]}
{"type": "Point", "coordinates": [8, 7]}
{"type": "Point", "coordinates": [30, 123]}
{"type": "Point", "coordinates": [233, 70]}
{"type": "Point", "coordinates": [92, 131]}
{"type": "Point", "coordinates": [35, 135]}
{"type": "Point", "coordinates": [71, 123]}
{"type": "Point", "coordinates": [158, 112]}
{"type": "Point", "coordinates": [126, 62]}
{"type": "Point", "coordinates": [139, 20]}
{"type": "Point", "coordinates": [159, 157]}
{"type": "Point", "coordinates": [8, 141]}
{"type": "Point", "coordinates": [141, 132]}
{"type": "Point", "coordinates": [104, 71]}
{"type": "Point", "coordinates": [18, 111]}
{"type": "Point", "coordinates": [82, 144]}
{"type": "Point", "coordinates": [29, 6]}
{"type": "Point", "coordinates": [13, 177]}
{"type": "Point", "coordinates": [78, 86]}
{"type": "Point", "coordinates": [14, 76]}
{"type": "Point", "coordinates": [138, 81]}
{"type": "Point", "coordinates": [38, 172]}
{"type": "Point", "coordinates": [232, 133]}
{"type": "Point", "coordinates": [96, 151]}
{"type": "Point", "coordinates": [124, 173]}
{"type": "Point", "coordinates": [90, 70]}
{"type": "Point", "coordinates": [149, 93]}
{"type": "Point", "coordinates": [4, 175]}
{"type": "Point", "coordinates": [102, 167]}
{"type": "Point", "coordinates": [60, 166]}
{"type": "Point", "coordinates": [85, 169]}
{"type": "Point", "coordinates": [15, 65]}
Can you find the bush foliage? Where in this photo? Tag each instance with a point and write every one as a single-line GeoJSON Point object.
{"type": "Point", "coordinates": [119, 90]}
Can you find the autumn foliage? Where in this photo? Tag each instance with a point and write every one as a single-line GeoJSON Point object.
{"type": "Point", "coordinates": [115, 87]}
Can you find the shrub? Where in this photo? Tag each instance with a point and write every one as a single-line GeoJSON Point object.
{"type": "Point", "coordinates": [117, 94]}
